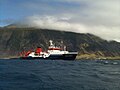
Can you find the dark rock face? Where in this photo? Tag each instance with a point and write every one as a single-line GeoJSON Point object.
{"type": "Point", "coordinates": [15, 40]}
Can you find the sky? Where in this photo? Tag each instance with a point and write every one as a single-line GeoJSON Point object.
{"type": "Point", "coordinates": [98, 17]}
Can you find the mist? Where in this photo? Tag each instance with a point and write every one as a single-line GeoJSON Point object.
{"type": "Point", "coordinates": [98, 17]}
{"type": "Point", "coordinates": [65, 24]}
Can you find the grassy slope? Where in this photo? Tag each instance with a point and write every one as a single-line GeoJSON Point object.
{"type": "Point", "coordinates": [15, 40]}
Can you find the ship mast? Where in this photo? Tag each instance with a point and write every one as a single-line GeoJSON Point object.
{"type": "Point", "coordinates": [51, 44]}
{"type": "Point", "coordinates": [63, 47]}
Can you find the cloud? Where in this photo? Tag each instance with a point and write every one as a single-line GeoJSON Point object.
{"type": "Point", "coordinates": [62, 23]}
{"type": "Point", "coordinates": [99, 17]}
{"type": "Point", "coordinates": [5, 22]}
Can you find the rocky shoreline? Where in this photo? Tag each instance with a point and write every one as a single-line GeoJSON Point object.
{"type": "Point", "coordinates": [94, 57]}
{"type": "Point", "coordinates": [79, 57]}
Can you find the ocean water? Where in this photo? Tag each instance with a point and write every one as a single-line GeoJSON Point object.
{"type": "Point", "coordinates": [59, 75]}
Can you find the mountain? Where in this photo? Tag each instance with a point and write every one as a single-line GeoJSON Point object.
{"type": "Point", "coordinates": [14, 40]}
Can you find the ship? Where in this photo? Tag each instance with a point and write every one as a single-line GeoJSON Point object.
{"type": "Point", "coordinates": [53, 53]}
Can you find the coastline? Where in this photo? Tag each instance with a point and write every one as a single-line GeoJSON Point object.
{"type": "Point", "coordinates": [78, 57]}
{"type": "Point", "coordinates": [94, 57]}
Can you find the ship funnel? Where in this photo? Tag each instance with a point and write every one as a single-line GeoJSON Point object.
{"type": "Point", "coordinates": [38, 50]}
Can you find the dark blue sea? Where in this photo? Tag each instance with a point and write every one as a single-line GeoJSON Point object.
{"type": "Point", "coordinates": [59, 75]}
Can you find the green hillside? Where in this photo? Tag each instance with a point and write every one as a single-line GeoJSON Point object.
{"type": "Point", "coordinates": [14, 40]}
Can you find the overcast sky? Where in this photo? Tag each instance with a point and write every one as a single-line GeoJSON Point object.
{"type": "Point", "coordinates": [99, 17]}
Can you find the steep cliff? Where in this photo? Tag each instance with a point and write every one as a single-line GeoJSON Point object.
{"type": "Point", "coordinates": [14, 40]}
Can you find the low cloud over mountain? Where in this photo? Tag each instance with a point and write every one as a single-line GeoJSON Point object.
{"type": "Point", "coordinates": [99, 17]}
